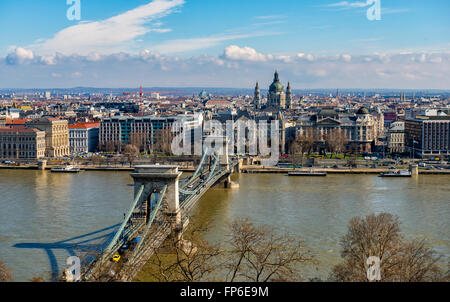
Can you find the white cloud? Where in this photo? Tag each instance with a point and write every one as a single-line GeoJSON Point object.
{"type": "Point", "coordinates": [386, 11]}
{"type": "Point", "coordinates": [191, 44]}
{"type": "Point", "coordinates": [271, 17]}
{"type": "Point", "coordinates": [19, 56]}
{"type": "Point", "coordinates": [234, 52]}
{"type": "Point", "coordinates": [236, 67]}
{"type": "Point", "coordinates": [111, 35]}
{"type": "Point", "coordinates": [305, 56]}
{"type": "Point", "coordinates": [436, 59]}
{"type": "Point", "coordinates": [76, 74]}
{"type": "Point", "coordinates": [161, 30]}
{"type": "Point", "coordinates": [347, 4]}
{"type": "Point", "coordinates": [48, 60]}
{"type": "Point", "coordinates": [321, 73]}
{"type": "Point", "coordinates": [346, 58]}
{"type": "Point", "coordinates": [93, 57]}
{"type": "Point", "coordinates": [285, 59]}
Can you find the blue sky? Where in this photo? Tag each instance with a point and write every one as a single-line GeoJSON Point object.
{"type": "Point", "coordinates": [205, 43]}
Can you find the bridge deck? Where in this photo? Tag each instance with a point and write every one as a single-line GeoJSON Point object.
{"type": "Point", "coordinates": [154, 234]}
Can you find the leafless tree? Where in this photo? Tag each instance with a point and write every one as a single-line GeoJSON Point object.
{"type": "Point", "coordinates": [110, 146]}
{"type": "Point", "coordinates": [131, 152]}
{"type": "Point", "coordinates": [5, 273]}
{"type": "Point", "coordinates": [259, 254]}
{"type": "Point", "coordinates": [163, 141]}
{"type": "Point", "coordinates": [37, 279]}
{"type": "Point", "coordinates": [251, 253]}
{"type": "Point", "coordinates": [140, 140]}
{"type": "Point", "coordinates": [379, 236]}
{"type": "Point", "coordinates": [190, 259]}
{"type": "Point", "coordinates": [299, 147]}
{"type": "Point", "coordinates": [335, 141]}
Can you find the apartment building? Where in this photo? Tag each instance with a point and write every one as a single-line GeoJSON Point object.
{"type": "Point", "coordinates": [83, 137]}
{"type": "Point", "coordinates": [144, 132]}
{"type": "Point", "coordinates": [428, 135]}
{"type": "Point", "coordinates": [56, 135]}
{"type": "Point", "coordinates": [21, 143]}
{"type": "Point", "coordinates": [396, 138]}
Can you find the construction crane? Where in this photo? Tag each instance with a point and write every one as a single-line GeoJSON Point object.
{"type": "Point", "coordinates": [141, 92]}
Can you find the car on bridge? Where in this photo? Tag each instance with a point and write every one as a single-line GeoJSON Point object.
{"type": "Point", "coordinates": [116, 258]}
{"type": "Point", "coordinates": [123, 249]}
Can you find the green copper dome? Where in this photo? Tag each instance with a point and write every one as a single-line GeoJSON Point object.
{"type": "Point", "coordinates": [362, 111]}
{"type": "Point", "coordinates": [276, 85]}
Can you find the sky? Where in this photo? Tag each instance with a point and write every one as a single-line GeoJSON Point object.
{"type": "Point", "coordinates": [224, 43]}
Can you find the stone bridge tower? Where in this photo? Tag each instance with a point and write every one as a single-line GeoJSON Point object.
{"type": "Point", "coordinates": [154, 178]}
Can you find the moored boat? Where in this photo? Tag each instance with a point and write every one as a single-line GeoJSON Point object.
{"type": "Point", "coordinates": [66, 169]}
{"type": "Point", "coordinates": [307, 173]}
{"type": "Point", "coordinates": [401, 173]}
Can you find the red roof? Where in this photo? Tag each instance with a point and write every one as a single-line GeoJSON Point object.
{"type": "Point", "coordinates": [17, 121]}
{"type": "Point", "coordinates": [85, 125]}
{"type": "Point", "coordinates": [17, 129]}
{"type": "Point", "coordinates": [218, 102]}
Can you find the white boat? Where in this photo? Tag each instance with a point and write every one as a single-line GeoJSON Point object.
{"type": "Point", "coordinates": [66, 169]}
{"type": "Point", "coordinates": [401, 173]}
{"type": "Point", "coordinates": [307, 173]}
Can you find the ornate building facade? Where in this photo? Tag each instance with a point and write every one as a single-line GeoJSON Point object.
{"type": "Point", "coordinates": [277, 98]}
{"type": "Point", "coordinates": [360, 128]}
{"type": "Point", "coordinates": [289, 97]}
{"type": "Point", "coordinates": [56, 135]}
{"type": "Point", "coordinates": [257, 98]}
{"type": "Point", "coordinates": [21, 143]}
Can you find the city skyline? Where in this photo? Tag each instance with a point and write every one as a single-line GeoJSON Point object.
{"type": "Point", "coordinates": [324, 44]}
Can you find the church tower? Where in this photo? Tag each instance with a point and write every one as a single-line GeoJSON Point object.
{"type": "Point", "coordinates": [289, 97]}
{"type": "Point", "coordinates": [257, 98]}
{"type": "Point", "coordinates": [277, 97]}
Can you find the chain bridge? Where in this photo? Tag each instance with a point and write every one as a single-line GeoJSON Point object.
{"type": "Point", "coordinates": [161, 208]}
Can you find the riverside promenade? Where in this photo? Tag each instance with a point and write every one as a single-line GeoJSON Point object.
{"type": "Point", "coordinates": [83, 168]}
{"type": "Point", "coordinates": [260, 169]}
{"type": "Point", "coordinates": [244, 169]}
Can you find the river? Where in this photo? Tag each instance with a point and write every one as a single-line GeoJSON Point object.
{"type": "Point", "coordinates": [46, 217]}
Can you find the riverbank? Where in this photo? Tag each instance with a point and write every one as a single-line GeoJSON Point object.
{"type": "Point", "coordinates": [84, 168]}
{"type": "Point", "coordinates": [244, 169]}
{"type": "Point", "coordinates": [275, 170]}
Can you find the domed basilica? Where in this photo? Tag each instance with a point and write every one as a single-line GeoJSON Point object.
{"type": "Point", "coordinates": [277, 99]}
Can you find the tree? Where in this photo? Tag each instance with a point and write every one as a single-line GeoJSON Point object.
{"type": "Point", "coordinates": [251, 253]}
{"type": "Point", "coordinates": [335, 141]}
{"type": "Point", "coordinates": [140, 140]}
{"type": "Point", "coordinates": [259, 254]}
{"type": "Point", "coordinates": [191, 259]}
{"type": "Point", "coordinates": [299, 146]}
{"type": "Point", "coordinates": [5, 273]}
{"type": "Point", "coordinates": [110, 146]}
{"type": "Point", "coordinates": [379, 236]}
{"type": "Point", "coordinates": [37, 279]}
{"type": "Point", "coordinates": [131, 152]}
{"type": "Point", "coordinates": [163, 141]}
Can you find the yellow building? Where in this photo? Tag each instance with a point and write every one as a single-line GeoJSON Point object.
{"type": "Point", "coordinates": [21, 143]}
{"type": "Point", "coordinates": [56, 135]}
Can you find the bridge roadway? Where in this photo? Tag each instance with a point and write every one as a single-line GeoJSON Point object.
{"type": "Point", "coordinates": [158, 225]}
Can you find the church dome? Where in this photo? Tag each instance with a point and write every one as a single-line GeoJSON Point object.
{"type": "Point", "coordinates": [203, 94]}
{"type": "Point", "coordinates": [276, 85]}
{"type": "Point", "coordinates": [363, 111]}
